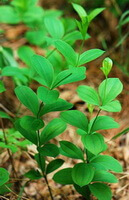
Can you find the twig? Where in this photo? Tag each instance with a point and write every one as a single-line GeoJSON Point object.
{"type": "Point", "coordinates": [6, 110]}
{"type": "Point", "coordinates": [8, 150]}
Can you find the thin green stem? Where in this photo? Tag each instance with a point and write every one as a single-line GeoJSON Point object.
{"type": "Point", "coordinates": [40, 158]}
{"type": "Point", "coordinates": [80, 51]}
{"type": "Point", "coordinates": [95, 119]}
{"type": "Point", "coordinates": [51, 53]}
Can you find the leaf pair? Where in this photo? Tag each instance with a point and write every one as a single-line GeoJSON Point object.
{"type": "Point", "coordinates": [72, 58]}
{"type": "Point", "coordinates": [108, 90]}
{"type": "Point", "coordinates": [45, 70]}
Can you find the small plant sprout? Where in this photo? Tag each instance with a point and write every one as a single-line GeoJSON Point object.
{"type": "Point", "coordinates": [106, 66]}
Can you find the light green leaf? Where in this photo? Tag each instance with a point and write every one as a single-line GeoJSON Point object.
{"type": "Point", "coordinates": [47, 96]}
{"type": "Point", "coordinates": [101, 191]}
{"type": "Point", "coordinates": [102, 123]}
{"type": "Point", "coordinates": [75, 118]}
{"type": "Point", "coordinates": [25, 53]}
{"type": "Point", "coordinates": [59, 105]}
{"type": "Point", "coordinates": [14, 72]}
{"type": "Point", "coordinates": [53, 165]}
{"type": "Point", "coordinates": [113, 106]}
{"type": "Point", "coordinates": [67, 51]}
{"type": "Point", "coordinates": [44, 68]}
{"type": "Point", "coordinates": [64, 176]}
{"type": "Point", "coordinates": [80, 10]}
{"type": "Point", "coordinates": [54, 27]}
{"type": "Point", "coordinates": [104, 176]}
{"type": "Point", "coordinates": [88, 94]}
{"type": "Point", "coordinates": [71, 150]}
{"type": "Point", "coordinates": [94, 13]}
{"type": "Point", "coordinates": [107, 163]}
{"type": "Point", "coordinates": [28, 98]}
{"type": "Point", "coordinates": [8, 15]}
{"type": "Point", "coordinates": [4, 176]}
{"type": "Point", "coordinates": [82, 174]}
{"type": "Point", "coordinates": [109, 89]}
{"type": "Point", "coordinates": [71, 75]}
{"type": "Point", "coordinates": [93, 143]}
{"type": "Point", "coordinates": [53, 128]}
{"type": "Point", "coordinates": [90, 55]}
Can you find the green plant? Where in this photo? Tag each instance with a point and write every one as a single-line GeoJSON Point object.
{"type": "Point", "coordinates": [46, 99]}
{"type": "Point", "coordinates": [89, 175]}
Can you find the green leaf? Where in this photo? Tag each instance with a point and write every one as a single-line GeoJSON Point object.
{"type": "Point", "coordinates": [102, 123]}
{"type": "Point", "coordinates": [53, 165]}
{"type": "Point", "coordinates": [46, 95]}
{"type": "Point", "coordinates": [33, 174]}
{"type": "Point", "coordinates": [107, 163]}
{"type": "Point", "coordinates": [82, 174]}
{"type": "Point", "coordinates": [109, 89]}
{"type": "Point", "coordinates": [104, 176]}
{"type": "Point", "coordinates": [101, 191]}
{"type": "Point", "coordinates": [59, 105]}
{"type": "Point", "coordinates": [69, 76]}
{"type": "Point", "coordinates": [81, 132]}
{"type": "Point", "coordinates": [36, 37]}
{"type": "Point", "coordinates": [8, 15]}
{"type": "Point", "coordinates": [44, 68]}
{"type": "Point", "coordinates": [90, 55]}
{"type": "Point", "coordinates": [75, 118]}
{"type": "Point", "coordinates": [2, 88]}
{"type": "Point", "coordinates": [71, 150]}
{"type": "Point", "coordinates": [73, 36]}
{"type": "Point", "coordinates": [88, 94]}
{"type": "Point", "coordinates": [41, 161]}
{"type": "Point", "coordinates": [29, 135]}
{"type": "Point", "coordinates": [113, 106]}
{"type": "Point", "coordinates": [4, 115]}
{"type": "Point", "coordinates": [121, 133]}
{"type": "Point", "coordinates": [64, 176]}
{"type": "Point", "coordinates": [31, 123]}
{"type": "Point", "coordinates": [4, 176]}
{"type": "Point", "coordinates": [93, 143]}
{"type": "Point", "coordinates": [84, 191]}
{"type": "Point", "coordinates": [67, 52]}
{"type": "Point", "coordinates": [28, 98]}
{"type": "Point", "coordinates": [94, 13]}
{"type": "Point", "coordinates": [25, 53]}
{"type": "Point", "coordinates": [49, 150]}
{"type": "Point", "coordinates": [54, 27]}
{"type": "Point", "coordinates": [14, 72]}
{"type": "Point", "coordinates": [5, 188]}
{"type": "Point", "coordinates": [53, 128]}
{"type": "Point", "coordinates": [80, 10]}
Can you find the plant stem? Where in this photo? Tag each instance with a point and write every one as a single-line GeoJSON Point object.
{"type": "Point", "coordinates": [80, 50]}
{"type": "Point", "coordinates": [50, 53]}
{"type": "Point", "coordinates": [8, 150]}
{"type": "Point", "coordinates": [40, 159]}
{"type": "Point", "coordinates": [95, 119]}
{"type": "Point", "coordinates": [44, 175]}
{"type": "Point", "coordinates": [7, 111]}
